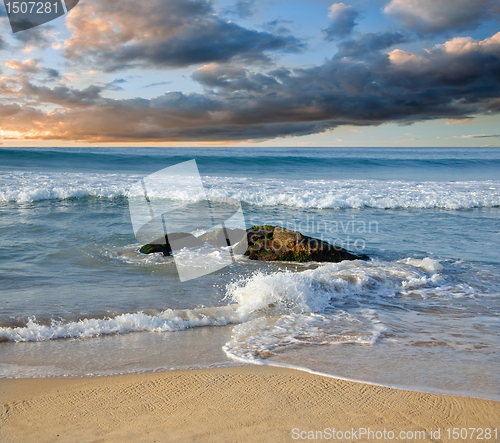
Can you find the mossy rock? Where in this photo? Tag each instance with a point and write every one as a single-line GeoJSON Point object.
{"type": "Point", "coordinates": [281, 244]}
{"type": "Point", "coordinates": [264, 243]}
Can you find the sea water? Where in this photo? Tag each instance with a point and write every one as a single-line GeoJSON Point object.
{"type": "Point", "coordinates": [78, 298]}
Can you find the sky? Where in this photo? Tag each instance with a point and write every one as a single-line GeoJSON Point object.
{"type": "Point", "coordinates": [255, 73]}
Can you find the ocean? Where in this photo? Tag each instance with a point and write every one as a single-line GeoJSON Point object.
{"type": "Point", "coordinates": [77, 298]}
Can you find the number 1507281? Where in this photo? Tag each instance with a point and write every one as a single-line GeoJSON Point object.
{"type": "Point", "coordinates": [31, 7]}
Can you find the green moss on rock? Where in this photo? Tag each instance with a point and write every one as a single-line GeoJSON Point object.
{"type": "Point", "coordinates": [265, 243]}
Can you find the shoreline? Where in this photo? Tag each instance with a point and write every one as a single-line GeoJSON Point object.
{"type": "Point", "coordinates": [241, 403]}
{"type": "Point", "coordinates": [237, 362]}
{"type": "Point", "coordinates": [410, 388]}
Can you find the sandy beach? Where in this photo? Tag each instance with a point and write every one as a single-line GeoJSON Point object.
{"type": "Point", "coordinates": [247, 404]}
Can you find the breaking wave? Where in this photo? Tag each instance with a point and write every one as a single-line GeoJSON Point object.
{"type": "Point", "coordinates": [308, 305]}
{"type": "Point", "coordinates": [23, 187]}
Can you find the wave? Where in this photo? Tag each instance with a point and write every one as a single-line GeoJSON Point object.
{"type": "Point", "coordinates": [358, 194]}
{"type": "Point", "coordinates": [313, 291]}
{"type": "Point", "coordinates": [296, 159]}
{"type": "Point", "coordinates": [258, 339]}
{"type": "Point", "coordinates": [335, 303]}
{"type": "Point", "coordinates": [307, 303]}
{"type": "Point", "coordinates": [166, 321]}
{"type": "Point", "coordinates": [24, 187]}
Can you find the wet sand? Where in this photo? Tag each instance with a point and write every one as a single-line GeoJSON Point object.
{"type": "Point", "coordinates": [238, 404]}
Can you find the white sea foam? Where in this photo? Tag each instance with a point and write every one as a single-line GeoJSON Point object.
{"type": "Point", "coordinates": [427, 264]}
{"type": "Point", "coordinates": [278, 304]}
{"type": "Point", "coordinates": [188, 257]}
{"type": "Point", "coordinates": [263, 337]}
{"type": "Point", "coordinates": [35, 186]}
{"type": "Point", "coordinates": [357, 194]}
{"type": "Point", "coordinates": [166, 321]}
{"type": "Point", "coordinates": [312, 304]}
{"type": "Point", "coordinates": [25, 187]}
{"type": "Point", "coordinates": [315, 290]}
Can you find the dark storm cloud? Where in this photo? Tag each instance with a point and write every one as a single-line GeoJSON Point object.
{"type": "Point", "coordinates": [457, 79]}
{"type": "Point", "coordinates": [231, 78]}
{"type": "Point", "coordinates": [438, 16]}
{"type": "Point", "coordinates": [216, 41]}
{"type": "Point", "coordinates": [369, 44]}
{"type": "Point", "coordinates": [173, 33]}
{"type": "Point", "coordinates": [232, 132]}
{"type": "Point", "coordinates": [63, 95]}
{"type": "Point", "coordinates": [342, 21]}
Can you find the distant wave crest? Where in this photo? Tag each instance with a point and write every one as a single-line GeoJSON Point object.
{"type": "Point", "coordinates": [24, 187]}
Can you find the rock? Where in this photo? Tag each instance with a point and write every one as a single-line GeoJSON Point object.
{"type": "Point", "coordinates": [218, 237]}
{"type": "Point", "coordinates": [215, 238]}
{"type": "Point", "coordinates": [162, 244]}
{"type": "Point", "coordinates": [274, 243]}
{"type": "Point", "coordinates": [265, 243]}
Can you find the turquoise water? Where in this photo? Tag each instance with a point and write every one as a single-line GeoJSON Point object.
{"type": "Point", "coordinates": [77, 297]}
{"type": "Point", "coordinates": [440, 164]}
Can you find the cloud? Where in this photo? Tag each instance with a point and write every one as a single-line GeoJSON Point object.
{"type": "Point", "coordinates": [342, 21]}
{"type": "Point", "coordinates": [115, 84]}
{"type": "Point", "coordinates": [452, 81]}
{"type": "Point", "coordinates": [52, 73]}
{"type": "Point", "coordinates": [233, 78]}
{"type": "Point", "coordinates": [467, 45]}
{"type": "Point", "coordinates": [174, 33]}
{"type": "Point", "coordinates": [457, 121]}
{"type": "Point", "coordinates": [278, 26]}
{"type": "Point", "coordinates": [370, 43]}
{"type": "Point", "coordinates": [477, 136]}
{"type": "Point", "coordinates": [157, 84]}
{"type": "Point", "coordinates": [405, 59]}
{"type": "Point", "coordinates": [245, 8]}
{"type": "Point", "coordinates": [30, 65]}
{"type": "Point", "coordinates": [63, 95]}
{"type": "Point", "coordinates": [36, 38]}
{"type": "Point", "coordinates": [435, 16]}
{"type": "Point", "coordinates": [457, 62]}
